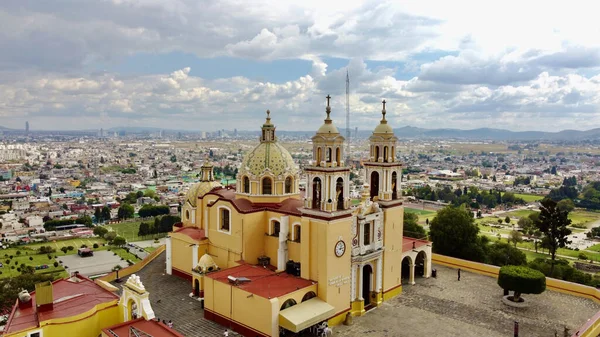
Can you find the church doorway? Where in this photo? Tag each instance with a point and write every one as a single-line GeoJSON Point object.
{"type": "Point", "coordinates": [316, 193]}
{"type": "Point", "coordinates": [374, 185]}
{"type": "Point", "coordinates": [196, 288]}
{"type": "Point", "coordinates": [366, 290]}
{"type": "Point", "coordinates": [405, 269]}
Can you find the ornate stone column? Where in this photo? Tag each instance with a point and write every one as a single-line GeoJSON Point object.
{"type": "Point", "coordinates": [169, 266]}
{"type": "Point", "coordinates": [379, 275]}
{"type": "Point", "coordinates": [360, 282]}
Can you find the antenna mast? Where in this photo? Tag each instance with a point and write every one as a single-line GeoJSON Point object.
{"type": "Point", "coordinates": [347, 114]}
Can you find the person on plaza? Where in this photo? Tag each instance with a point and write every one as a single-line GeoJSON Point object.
{"type": "Point", "coordinates": [226, 333]}
{"type": "Point", "coordinates": [459, 274]}
{"type": "Point", "coordinates": [170, 324]}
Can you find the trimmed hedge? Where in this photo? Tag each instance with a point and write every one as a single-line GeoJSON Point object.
{"type": "Point", "coordinates": [522, 280]}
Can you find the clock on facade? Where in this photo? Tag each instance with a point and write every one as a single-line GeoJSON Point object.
{"type": "Point", "coordinates": [340, 248]}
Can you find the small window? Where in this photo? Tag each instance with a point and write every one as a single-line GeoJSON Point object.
{"type": "Point", "coordinates": [297, 233]}
{"type": "Point", "coordinates": [266, 186]}
{"type": "Point", "coordinates": [35, 334]}
{"type": "Point", "coordinates": [288, 185]}
{"type": "Point", "coordinates": [187, 214]}
{"type": "Point", "coordinates": [225, 219]}
{"type": "Point", "coordinates": [289, 303]}
{"type": "Point", "coordinates": [275, 228]}
{"type": "Point", "coordinates": [246, 185]}
{"type": "Point", "coordinates": [367, 234]}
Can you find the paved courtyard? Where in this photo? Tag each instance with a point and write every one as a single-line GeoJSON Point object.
{"type": "Point", "coordinates": [169, 296]}
{"type": "Point", "coordinates": [446, 307]}
{"type": "Point", "coordinates": [102, 262]}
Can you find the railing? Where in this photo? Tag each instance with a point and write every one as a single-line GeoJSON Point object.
{"type": "Point", "coordinates": [591, 328]}
{"type": "Point", "coordinates": [133, 268]}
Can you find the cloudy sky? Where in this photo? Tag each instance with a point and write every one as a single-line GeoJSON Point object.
{"type": "Point", "coordinates": [206, 65]}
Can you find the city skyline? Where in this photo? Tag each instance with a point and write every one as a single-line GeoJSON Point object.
{"type": "Point", "coordinates": [185, 65]}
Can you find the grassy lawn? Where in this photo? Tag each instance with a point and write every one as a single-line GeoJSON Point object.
{"type": "Point", "coordinates": [584, 217]}
{"type": "Point", "coordinates": [30, 251]}
{"type": "Point", "coordinates": [422, 213]}
{"type": "Point", "coordinates": [150, 249]}
{"type": "Point", "coordinates": [519, 214]}
{"type": "Point", "coordinates": [529, 197]}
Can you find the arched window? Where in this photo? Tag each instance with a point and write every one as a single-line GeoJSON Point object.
{"type": "Point", "coordinates": [187, 214]}
{"type": "Point", "coordinates": [374, 184]}
{"type": "Point", "coordinates": [385, 154]}
{"type": "Point", "coordinates": [376, 153]}
{"type": "Point", "coordinates": [297, 233]}
{"type": "Point", "coordinates": [339, 193]}
{"type": "Point", "coordinates": [319, 158]}
{"type": "Point", "coordinates": [246, 181]}
{"type": "Point", "coordinates": [308, 296]}
{"type": "Point", "coordinates": [275, 228]}
{"type": "Point", "coordinates": [316, 193]}
{"type": "Point", "coordinates": [338, 156]}
{"type": "Point", "coordinates": [394, 185]}
{"type": "Point", "coordinates": [266, 185]}
{"type": "Point", "coordinates": [328, 159]}
{"type": "Point", "coordinates": [289, 303]}
{"type": "Point", "coordinates": [224, 219]}
{"type": "Point", "coordinates": [288, 185]}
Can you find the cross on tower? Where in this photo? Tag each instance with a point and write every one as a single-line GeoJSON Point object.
{"type": "Point", "coordinates": [383, 104]}
{"type": "Point", "coordinates": [328, 98]}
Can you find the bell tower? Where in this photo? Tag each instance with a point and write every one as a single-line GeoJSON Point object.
{"type": "Point", "coordinates": [383, 171]}
{"type": "Point", "coordinates": [206, 170]}
{"type": "Point", "coordinates": [328, 178]}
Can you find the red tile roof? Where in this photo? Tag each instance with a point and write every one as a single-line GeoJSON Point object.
{"type": "Point", "coordinates": [263, 282]}
{"type": "Point", "coordinates": [243, 205]}
{"type": "Point", "coordinates": [192, 232]}
{"type": "Point", "coordinates": [70, 298]}
{"type": "Point", "coordinates": [407, 243]}
{"type": "Point", "coordinates": [152, 328]}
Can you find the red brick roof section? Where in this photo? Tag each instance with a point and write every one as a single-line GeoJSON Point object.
{"type": "Point", "coordinates": [70, 299]}
{"type": "Point", "coordinates": [263, 282]}
{"type": "Point", "coordinates": [289, 206]}
{"type": "Point", "coordinates": [407, 243]}
{"type": "Point", "coordinates": [152, 328]}
{"type": "Point", "coordinates": [192, 232]}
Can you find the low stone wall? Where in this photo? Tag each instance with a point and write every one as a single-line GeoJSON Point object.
{"type": "Point", "coordinates": [133, 268]}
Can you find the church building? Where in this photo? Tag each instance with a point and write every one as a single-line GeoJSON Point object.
{"type": "Point", "coordinates": [266, 257]}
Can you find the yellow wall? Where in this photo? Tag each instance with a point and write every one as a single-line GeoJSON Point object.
{"type": "Point", "coordinates": [392, 241]}
{"type": "Point", "coordinates": [135, 268]}
{"type": "Point", "coordinates": [87, 324]}
{"type": "Point", "coordinates": [254, 233]}
{"type": "Point", "coordinates": [182, 252]}
{"type": "Point", "coordinates": [252, 311]}
{"type": "Point", "coordinates": [294, 251]}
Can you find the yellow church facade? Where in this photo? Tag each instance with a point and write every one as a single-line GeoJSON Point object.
{"type": "Point", "coordinates": [265, 256]}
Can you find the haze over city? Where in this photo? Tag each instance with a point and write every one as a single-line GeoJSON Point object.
{"type": "Point", "coordinates": [203, 65]}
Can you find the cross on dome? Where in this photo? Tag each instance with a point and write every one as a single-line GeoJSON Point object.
{"type": "Point", "coordinates": [268, 117]}
{"type": "Point", "coordinates": [328, 110]}
{"type": "Point", "coordinates": [383, 112]}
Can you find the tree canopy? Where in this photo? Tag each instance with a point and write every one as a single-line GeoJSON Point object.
{"type": "Point", "coordinates": [125, 211]}
{"type": "Point", "coordinates": [454, 233]}
{"type": "Point", "coordinates": [502, 254]}
{"type": "Point", "coordinates": [521, 280]}
{"type": "Point", "coordinates": [411, 227]}
{"type": "Point", "coordinates": [553, 222]}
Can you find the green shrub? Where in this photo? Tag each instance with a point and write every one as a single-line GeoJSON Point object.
{"type": "Point", "coordinates": [582, 256]}
{"type": "Point", "coordinates": [55, 264]}
{"type": "Point", "coordinates": [579, 225]}
{"type": "Point", "coordinates": [95, 245]}
{"type": "Point", "coordinates": [521, 280]}
{"type": "Point", "coordinates": [31, 258]}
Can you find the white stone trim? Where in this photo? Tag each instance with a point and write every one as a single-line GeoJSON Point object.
{"type": "Point", "coordinates": [270, 230]}
{"type": "Point", "coordinates": [169, 263]}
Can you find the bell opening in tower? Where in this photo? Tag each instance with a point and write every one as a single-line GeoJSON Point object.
{"type": "Point", "coordinates": [316, 193]}
{"type": "Point", "coordinates": [374, 185]}
{"type": "Point", "coordinates": [339, 192]}
{"type": "Point", "coordinates": [394, 185]}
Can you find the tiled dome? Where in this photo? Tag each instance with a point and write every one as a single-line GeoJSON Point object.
{"type": "Point", "coordinates": [200, 189]}
{"type": "Point", "coordinates": [268, 156]}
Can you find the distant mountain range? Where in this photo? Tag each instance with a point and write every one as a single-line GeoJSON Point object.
{"type": "Point", "coordinates": [496, 134]}
{"type": "Point", "coordinates": [407, 132]}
